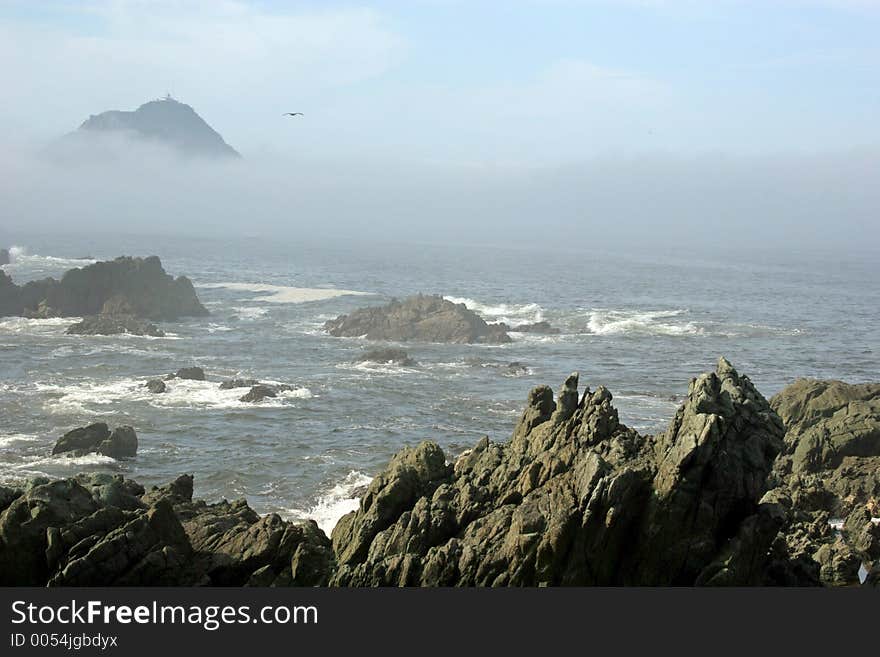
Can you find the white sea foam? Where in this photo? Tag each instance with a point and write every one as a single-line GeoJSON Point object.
{"type": "Point", "coordinates": [510, 313]}
{"type": "Point", "coordinates": [67, 461]}
{"type": "Point", "coordinates": [250, 313]}
{"type": "Point", "coordinates": [12, 439]}
{"type": "Point", "coordinates": [374, 367]}
{"type": "Point", "coordinates": [97, 398]}
{"type": "Point", "coordinates": [20, 259]}
{"type": "Point", "coordinates": [334, 503]}
{"type": "Point", "coordinates": [22, 325]}
{"type": "Point", "coordinates": [640, 322]}
{"type": "Point", "coordinates": [285, 294]}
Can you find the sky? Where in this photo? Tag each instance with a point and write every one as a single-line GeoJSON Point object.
{"type": "Point", "coordinates": [648, 119]}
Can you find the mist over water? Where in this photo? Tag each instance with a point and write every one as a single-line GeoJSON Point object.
{"type": "Point", "coordinates": [639, 321]}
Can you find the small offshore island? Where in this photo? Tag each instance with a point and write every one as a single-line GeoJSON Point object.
{"type": "Point", "coordinates": [739, 490]}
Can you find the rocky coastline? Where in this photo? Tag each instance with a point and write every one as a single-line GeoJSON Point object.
{"type": "Point", "coordinates": [739, 490]}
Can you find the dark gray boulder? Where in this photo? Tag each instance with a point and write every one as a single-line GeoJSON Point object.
{"type": "Point", "coordinates": [419, 318]}
{"type": "Point", "coordinates": [156, 386]}
{"type": "Point", "coordinates": [387, 355]}
{"type": "Point", "coordinates": [542, 327]}
{"type": "Point", "coordinates": [97, 438]}
{"type": "Point", "coordinates": [260, 392]}
{"type": "Point", "coordinates": [189, 373]}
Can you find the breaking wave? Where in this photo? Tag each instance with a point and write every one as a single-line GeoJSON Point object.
{"type": "Point", "coordinates": [335, 502]}
{"type": "Point", "coordinates": [641, 322]}
{"type": "Point", "coordinates": [100, 398]}
{"type": "Point", "coordinates": [511, 314]}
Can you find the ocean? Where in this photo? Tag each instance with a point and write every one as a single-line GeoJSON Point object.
{"type": "Point", "coordinates": [640, 322]}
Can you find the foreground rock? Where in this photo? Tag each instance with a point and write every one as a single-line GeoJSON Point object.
{"type": "Point", "coordinates": [98, 439]}
{"type": "Point", "coordinates": [101, 530]}
{"type": "Point", "coordinates": [829, 477]}
{"type": "Point", "coordinates": [419, 318]}
{"type": "Point", "coordinates": [389, 355]}
{"type": "Point", "coordinates": [115, 325]}
{"type": "Point", "coordinates": [125, 286]}
{"type": "Point", "coordinates": [577, 498]}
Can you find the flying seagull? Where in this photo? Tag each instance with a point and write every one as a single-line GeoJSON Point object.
{"type": "Point", "coordinates": [292, 114]}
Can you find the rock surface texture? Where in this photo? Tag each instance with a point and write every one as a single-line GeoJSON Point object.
{"type": "Point", "coordinates": [98, 439]}
{"type": "Point", "coordinates": [737, 491]}
{"type": "Point", "coordinates": [420, 318]}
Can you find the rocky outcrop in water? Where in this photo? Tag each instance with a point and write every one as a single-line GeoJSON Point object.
{"type": "Point", "coordinates": [97, 438]}
{"type": "Point", "coordinates": [188, 373]}
{"type": "Point", "coordinates": [542, 327]}
{"type": "Point", "coordinates": [4, 257]}
{"type": "Point", "coordinates": [420, 318]}
{"type": "Point", "coordinates": [231, 384]}
{"type": "Point", "coordinates": [156, 386]}
{"type": "Point", "coordinates": [261, 391]}
{"type": "Point", "coordinates": [388, 355]}
{"type": "Point", "coordinates": [126, 286]}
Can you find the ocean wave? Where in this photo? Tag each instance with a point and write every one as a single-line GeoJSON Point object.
{"type": "Point", "coordinates": [249, 313]}
{"type": "Point", "coordinates": [510, 313]}
{"type": "Point", "coordinates": [373, 367]}
{"type": "Point", "coordinates": [640, 322]}
{"type": "Point", "coordinates": [333, 503]}
{"type": "Point", "coordinates": [11, 439]}
{"type": "Point", "coordinates": [67, 461]}
{"type": "Point", "coordinates": [285, 294]}
{"type": "Point", "coordinates": [22, 325]}
{"type": "Point", "coordinates": [21, 259]}
{"type": "Point", "coordinates": [94, 397]}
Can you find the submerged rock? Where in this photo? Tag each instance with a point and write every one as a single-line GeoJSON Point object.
{"type": "Point", "coordinates": [115, 325]}
{"type": "Point", "coordinates": [543, 327]}
{"type": "Point", "coordinates": [188, 373]}
{"type": "Point", "coordinates": [388, 355]}
{"type": "Point", "coordinates": [230, 384]}
{"type": "Point", "coordinates": [156, 386]}
{"type": "Point", "coordinates": [260, 392]}
{"type": "Point", "coordinates": [97, 438]}
{"type": "Point", "coordinates": [420, 318]}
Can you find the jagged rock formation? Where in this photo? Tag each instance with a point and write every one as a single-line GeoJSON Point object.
{"type": "Point", "coordinates": [100, 530]}
{"type": "Point", "coordinates": [574, 498]}
{"type": "Point", "coordinates": [828, 478]}
{"type": "Point", "coordinates": [166, 122]}
{"type": "Point", "coordinates": [388, 355]}
{"type": "Point", "coordinates": [97, 438]}
{"type": "Point", "coordinates": [125, 287]}
{"type": "Point", "coordinates": [420, 318]}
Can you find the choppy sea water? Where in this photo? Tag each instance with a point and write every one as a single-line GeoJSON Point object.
{"type": "Point", "coordinates": [640, 323]}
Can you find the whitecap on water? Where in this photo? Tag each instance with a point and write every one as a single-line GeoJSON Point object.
{"type": "Point", "coordinates": [333, 503]}
{"type": "Point", "coordinates": [510, 313]}
{"type": "Point", "coordinates": [640, 322]}
{"type": "Point", "coordinates": [285, 294]}
{"type": "Point", "coordinates": [95, 398]}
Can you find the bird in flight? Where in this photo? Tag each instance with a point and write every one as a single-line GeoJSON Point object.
{"type": "Point", "coordinates": [293, 114]}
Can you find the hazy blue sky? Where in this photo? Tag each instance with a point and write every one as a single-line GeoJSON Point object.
{"type": "Point", "coordinates": [526, 95]}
